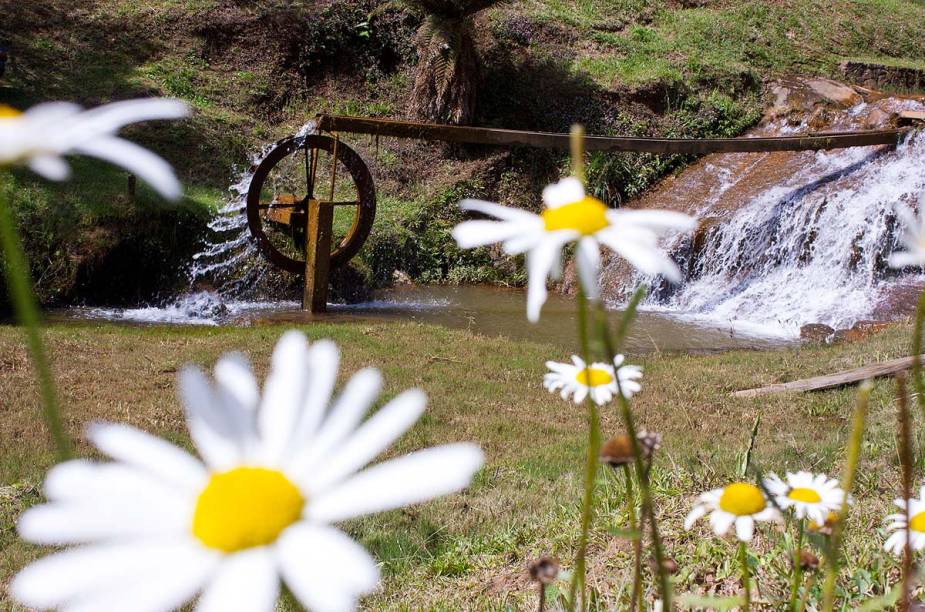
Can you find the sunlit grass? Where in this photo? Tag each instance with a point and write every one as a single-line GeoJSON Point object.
{"type": "Point", "coordinates": [472, 549]}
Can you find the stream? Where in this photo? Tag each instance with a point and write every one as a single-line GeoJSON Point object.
{"type": "Point", "coordinates": [490, 311]}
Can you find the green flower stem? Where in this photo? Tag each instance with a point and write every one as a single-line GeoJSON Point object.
{"type": "Point", "coordinates": [645, 489]}
{"type": "Point", "coordinates": [854, 451]}
{"type": "Point", "coordinates": [917, 383]}
{"type": "Point", "coordinates": [746, 577]}
{"type": "Point", "coordinates": [637, 540]}
{"type": "Point", "coordinates": [19, 286]}
{"type": "Point", "coordinates": [594, 444]}
{"type": "Point", "coordinates": [907, 461]}
{"type": "Point", "coordinates": [797, 565]}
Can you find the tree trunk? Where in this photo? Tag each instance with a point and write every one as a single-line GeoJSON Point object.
{"type": "Point", "coordinates": [447, 73]}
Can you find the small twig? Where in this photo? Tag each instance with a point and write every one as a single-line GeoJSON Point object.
{"type": "Point", "coordinates": [433, 358]}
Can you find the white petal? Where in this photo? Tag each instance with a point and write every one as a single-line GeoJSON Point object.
{"type": "Point", "coordinates": [695, 514]}
{"type": "Point", "coordinates": [346, 413]}
{"type": "Point", "coordinates": [589, 266]}
{"type": "Point", "coordinates": [526, 240]}
{"type": "Point", "coordinates": [896, 543]}
{"type": "Point", "coordinates": [109, 118]}
{"type": "Point", "coordinates": [149, 454]}
{"type": "Point", "coordinates": [214, 428]}
{"type": "Point", "coordinates": [721, 521]}
{"type": "Point", "coordinates": [245, 582]}
{"type": "Point", "coordinates": [650, 260]}
{"type": "Point", "coordinates": [540, 262]}
{"type": "Point", "coordinates": [82, 481]}
{"type": "Point", "coordinates": [50, 167]}
{"type": "Point", "coordinates": [137, 160]}
{"type": "Point", "coordinates": [373, 437]}
{"type": "Point", "coordinates": [324, 568]}
{"type": "Point", "coordinates": [235, 377]}
{"type": "Point", "coordinates": [658, 221]}
{"type": "Point", "coordinates": [283, 395]}
{"type": "Point", "coordinates": [506, 213]}
{"type": "Point", "coordinates": [745, 528]}
{"type": "Point", "coordinates": [411, 479]}
{"type": "Point", "coordinates": [470, 234]}
{"type": "Point", "coordinates": [79, 572]}
{"type": "Point", "coordinates": [564, 192]}
{"type": "Point", "coordinates": [82, 521]}
{"type": "Point", "coordinates": [323, 363]}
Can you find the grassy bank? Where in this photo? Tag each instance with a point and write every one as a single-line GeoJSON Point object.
{"type": "Point", "coordinates": [471, 550]}
{"type": "Point", "coordinates": [254, 73]}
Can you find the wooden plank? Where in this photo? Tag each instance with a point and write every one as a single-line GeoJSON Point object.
{"type": "Point", "coordinates": [320, 227]}
{"type": "Point", "coordinates": [909, 117]}
{"type": "Point", "coordinates": [885, 368]}
{"type": "Point", "coordinates": [683, 146]}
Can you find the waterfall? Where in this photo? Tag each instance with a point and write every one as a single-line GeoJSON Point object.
{"type": "Point", "coordinates": [788, 239]}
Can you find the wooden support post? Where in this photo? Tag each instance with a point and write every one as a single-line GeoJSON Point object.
{"type": "Point", "coordinates": [317, 256]}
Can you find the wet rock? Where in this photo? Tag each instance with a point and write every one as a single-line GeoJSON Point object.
{"type": "Point", "coordinates": [859, 331]}
{"type": "Point", "coordinates": [834, 92]}
{"type": "Point", "coordinates": [401, 278]}
{"type": "Point", "coordinates": [816, 332]}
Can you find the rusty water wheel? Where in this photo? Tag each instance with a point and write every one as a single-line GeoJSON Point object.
{"type": "Point", "coordinates": [284, 214]}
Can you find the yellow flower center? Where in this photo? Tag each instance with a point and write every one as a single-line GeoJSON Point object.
{"type": "Point", "coordinates": [245, 507]}
{"type": "Point", "coordinates": [917, 522]}
{"type": "Point", "coordinates": [8, 112]}
{"type": "Point", "coordinates": [594, 377]}
{"type": "Point", "coordinates": [742, 499]}
{"type": "Point", "coordinates": [802, 494]}
{"type": "Point", "coordinates": [588, 215]}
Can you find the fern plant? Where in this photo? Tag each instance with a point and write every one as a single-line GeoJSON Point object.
{"type": "Point", "coordinates": [447, 74]}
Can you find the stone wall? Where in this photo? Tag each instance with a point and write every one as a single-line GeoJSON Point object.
{"type": "Point", "coordinates": [878, 76]}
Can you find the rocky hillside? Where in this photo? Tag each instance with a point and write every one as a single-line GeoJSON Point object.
{"type": "Point", "coordinates": [257, 71]}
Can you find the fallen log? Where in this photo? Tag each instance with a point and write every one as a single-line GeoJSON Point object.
{"type": "Point", "coordinates": [816, 383]}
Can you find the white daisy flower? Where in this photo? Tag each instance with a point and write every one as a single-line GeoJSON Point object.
{"type": "Point", "coordinates": [740, 504]}
{"type": "Point", "coordinates": [156, 526]}
{"type": "Point", "coordinates": [576, 379]}
{"type": "Point", "coordinates": [912, 238]}
{"type": "Point", "coordinates": [42, 135]}
{"type": "Point", "coordinates": [570, 216]}
{"type": "Point", "coordinates": [812, 496]}
{"type": "Point", "coordinates": [896, 542]}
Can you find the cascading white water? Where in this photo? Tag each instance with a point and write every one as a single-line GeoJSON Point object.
{"type": "Point", "coordinates": [797, 238]}
{"type": "Point", "coordinates": [225, 274]}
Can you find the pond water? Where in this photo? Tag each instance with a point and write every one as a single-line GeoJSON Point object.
{"type": "Point", "coordinates": [489, 311]}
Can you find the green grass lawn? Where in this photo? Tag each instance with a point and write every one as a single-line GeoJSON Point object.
{"type": "Point", "coordinates": [471, 550]}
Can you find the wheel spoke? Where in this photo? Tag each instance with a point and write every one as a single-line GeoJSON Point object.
{"type": "Point", "coordinates": [339, 203]}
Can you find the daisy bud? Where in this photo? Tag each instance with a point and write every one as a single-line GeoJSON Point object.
{"type": "Point", "coordinates": [618, 451]}
{"type": "Point", "coordinates": [544, 570]}
{"type": "Point", "coordinates": [808, 561]}
{"type": "Point", "coordinates": [668, 564]}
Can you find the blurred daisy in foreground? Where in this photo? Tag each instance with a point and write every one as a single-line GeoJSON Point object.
{"type": "Point", "coordinates": [156, 526]}
{"type": "Point", "coordinates": [599, 380]}
{"type": "Point", "coordinates": [912, 237]}
{"type": "Point", "coordinates": [896, 542]}
{"type": "Point", "coordinates": [571, 216]}
{"type": "Point", "coordinates": [812, 496]}
{"type": "Point", "coordinates": [41, 136]}
{"type": "Point", "coordinates": [741, 504]}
